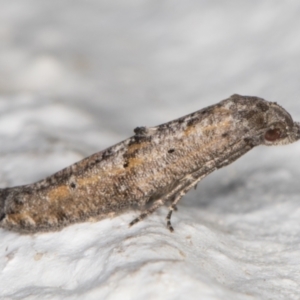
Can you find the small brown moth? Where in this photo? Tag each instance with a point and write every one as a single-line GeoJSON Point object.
{"type": "Point", "coordinates": [155, 167]}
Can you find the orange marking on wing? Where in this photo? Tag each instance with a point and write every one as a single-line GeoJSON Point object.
{"type": "Point", "coordinates": [59, 193]}
{"type": "Point", "coordinates": [91, 180]}
{"type": "Point", "coordinates": [221, 111]}
{"type": "Point", "coordinates": [137, 146]}
{"type": "Point", "coordinates": [17, 218]}
{"type": "Point", "coordinates": [189, 130]}
{"type": "Point", "coordinates": [135, 162]}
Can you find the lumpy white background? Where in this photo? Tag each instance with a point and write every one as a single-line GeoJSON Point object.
{"type": "Point", "coordinates": [78, 76]}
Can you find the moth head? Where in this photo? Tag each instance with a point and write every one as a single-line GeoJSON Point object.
{"type": "Point", "coordinates": [280, 128]}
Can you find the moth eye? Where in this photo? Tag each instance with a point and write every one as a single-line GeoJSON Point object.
{"type": "Point", "coordinates": [272, 135]}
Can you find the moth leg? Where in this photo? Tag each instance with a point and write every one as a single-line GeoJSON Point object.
{"type": "Point", "coordinates": [174, 196]}
{"type": "Point", "coordinates": [148, 211]}
{"type": "Point", "coordinates": [169, 225]}
{"type": "Point", "coordinates": [172, 208]}
{"type": "Point", "coordinates": [176, 199]}
{"type": "Point", "coordinates": [160, 202]}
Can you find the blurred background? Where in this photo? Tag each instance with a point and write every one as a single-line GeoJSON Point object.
{"type": "Point", "coordinates": [78, 76]}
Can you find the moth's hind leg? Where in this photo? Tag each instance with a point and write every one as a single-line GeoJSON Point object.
{"type": "Point", "coordinates": [173, 196]}
{"type": "Point", "coordinates": [169, 197]}
{"type": "Point", "coordinates": [156, 204]}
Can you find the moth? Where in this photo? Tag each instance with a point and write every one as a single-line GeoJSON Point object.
{"type": "Point", "coordinates": [155, 167]}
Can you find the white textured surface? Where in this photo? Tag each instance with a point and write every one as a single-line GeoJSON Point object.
{"type": "Point", "coordinates": [78, 76]}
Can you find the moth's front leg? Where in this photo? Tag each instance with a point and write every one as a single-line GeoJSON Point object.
{"type": "Point", "coordinates": [177, 198]}
{"type": "Point", "coordinates": [169, 197]}
{"type": "Point", "coordinates": [173, 196]}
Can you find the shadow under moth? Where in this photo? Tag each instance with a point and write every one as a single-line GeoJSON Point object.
{"type": "Point", "coordinates": [155, 167]}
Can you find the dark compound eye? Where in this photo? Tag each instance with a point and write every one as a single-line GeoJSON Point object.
{"type": "Point", "coordinates": [272, 135]}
